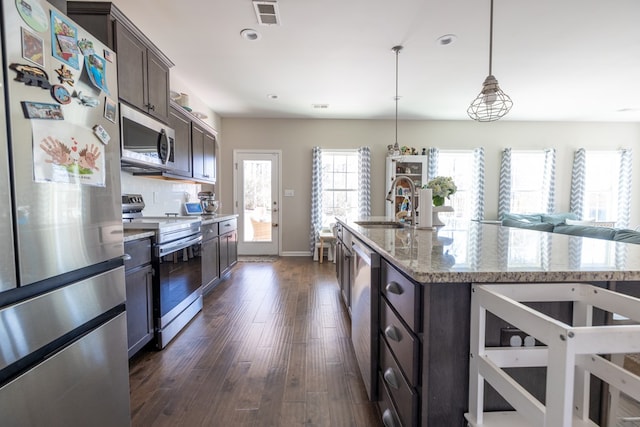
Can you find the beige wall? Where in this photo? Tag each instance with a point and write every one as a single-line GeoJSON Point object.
{"type": "Point", "coordinates": [296, 137]}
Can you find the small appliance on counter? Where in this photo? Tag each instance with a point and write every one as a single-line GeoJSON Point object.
{"type": "Point", "coordinates": [208, 202]}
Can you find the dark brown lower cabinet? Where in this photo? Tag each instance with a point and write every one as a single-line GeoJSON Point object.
{"type": "Point", "coordinates": [228, 244]}
{"type": "Point", "coordinates": [210, 257]}
{"type": "Point", "coordinates": [139, 293]}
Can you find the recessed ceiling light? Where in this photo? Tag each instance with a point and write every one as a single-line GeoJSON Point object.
{"type": "Point", "coordinates": [446, 40]}
{"type": "Point", "coordinates": [320, 106]}
{"type": "Point", "coordinates": [249, 34]}
{"type": "Point", "coordinates": [272, 96]}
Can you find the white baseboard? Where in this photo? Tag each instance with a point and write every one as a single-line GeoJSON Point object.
{"type": "Point", "coordinates": [296, 253]}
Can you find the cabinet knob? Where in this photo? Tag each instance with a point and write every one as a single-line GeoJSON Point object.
{"type": "Point", "coordinates": [388, 419]}
{"type": "Point", "coordinates": [392, 333]}
{"type": "Point", "coordinates": [152, 107]}
{"type": "Point", "coordinates": [394, 288]}
{"type": "Point", "coordinates": [391, 379]}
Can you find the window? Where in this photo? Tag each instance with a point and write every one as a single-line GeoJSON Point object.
{"type": "Point", "coordinates": [460, 166]}
{"type": "Point", "coordinates": [527, 189]}
{"type": "Point", "coordinates": [339, 185]}
{"type": "Point", "coordinates": [602, 169]}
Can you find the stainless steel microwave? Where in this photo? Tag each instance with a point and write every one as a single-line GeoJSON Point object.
{"type": "Point", "coordinates": [145, 141]}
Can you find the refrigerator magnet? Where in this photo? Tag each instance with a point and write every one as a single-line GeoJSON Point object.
{"type": "Point", "coordinates": [60, 94]}
{"type": "Point", "coordinates": [64, 40]}
{"type": "Point", "coordinates": [31, 76]}
{"type": "Point", "coordinates": [33, 14]}
{"type": "Point", "coordinates": [110, 109]}
{"type": "Point", "coordinates": [108, 55]}
{"type": "Point", "coordinates": [86, 100]}
{"type": "Point", "coordinates": [64, 75]}
{"type": "Point", "coordinates": [86, 47]}
{"type": "Point", "coordinates": [32, 47]}
{"type": "Point", "coordinates": [96, 68]}
{"type": "Point", "coordinates": [42, 110]}
{"type": "Point", "coordinates": [102, 134]}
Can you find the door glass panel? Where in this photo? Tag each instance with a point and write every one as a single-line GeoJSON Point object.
{"type": "Point", "coordinates": [257, 200]}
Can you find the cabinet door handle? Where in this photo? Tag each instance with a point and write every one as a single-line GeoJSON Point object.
{"type": "Point", "coordinates": [394, 288]}
{"type": "Point", "coordinates": [126, 257]}
{"type": "Point", "coordinates": [388, 419]}
{"type": "Point", "coordinates": [392, 333]}
{"type": "Point", "coordinates": [391, 379]}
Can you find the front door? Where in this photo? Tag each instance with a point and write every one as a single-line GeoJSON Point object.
{"type": "Point", "coordinates": [257, 201]}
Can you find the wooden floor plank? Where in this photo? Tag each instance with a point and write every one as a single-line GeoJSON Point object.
{"type": "Point", "coordinates": [270, 348]}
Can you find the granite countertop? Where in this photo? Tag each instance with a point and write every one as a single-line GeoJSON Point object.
{"type": "Point", "coordinates": [464, 252]}
{"type": "Point", "coordinates": [135, 234]}
{"type": "Point", "coordinates": [131, 235]}
{"type": "Point", "coordinates": [212, 219]}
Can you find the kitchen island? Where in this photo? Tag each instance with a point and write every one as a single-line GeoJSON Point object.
{"type": "Point", "coordinates": [422, 318]}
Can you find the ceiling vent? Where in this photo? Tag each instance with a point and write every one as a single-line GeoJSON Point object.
{"type": "Point", "coordinates": [267, 12]}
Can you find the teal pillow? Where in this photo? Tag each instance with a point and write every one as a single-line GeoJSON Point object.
{"type": "Point", "coordinates": [605, 233]}
{"type": "Point", "coordinates": [558, 218]}
{"type": "Point", "coordinates": [627, 236]}
{"type": "Point", "coordinates": [540, 226]}
{"type": "Point", "coordinates": [530, 218]}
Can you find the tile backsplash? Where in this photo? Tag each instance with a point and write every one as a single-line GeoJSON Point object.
{"type": "Point", "coordinates": [160, 196]}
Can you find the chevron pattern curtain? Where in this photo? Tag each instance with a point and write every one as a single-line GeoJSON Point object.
{"type": "Point", "coordinates": [477, 212]}
{"type": "Point", "coordinates": [624, 189]}
{"type": "Point", "coordinates": [504, 189]}
{"type": "Point", "coordinates": [364, 184]}
{"type": "Point", "coordinates": [316, 197]}
{"type": "Point", "coordinates": [578, 177]}
{"type": "Point", "coordinates": [432, 163]}
{"type": "Point", "coordinates": [549, 179]}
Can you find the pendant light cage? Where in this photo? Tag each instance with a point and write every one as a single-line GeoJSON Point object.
{"type": "Point", "coordinates": [492, 103]}
{"type": "Point", "coordinates": [396, 146]}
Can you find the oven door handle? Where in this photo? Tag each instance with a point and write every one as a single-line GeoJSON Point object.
{"type": "Point", "coordinates": [162, 250]}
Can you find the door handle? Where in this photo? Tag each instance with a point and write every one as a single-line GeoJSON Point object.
{"type": "Point", "coordinates": [274, 225]}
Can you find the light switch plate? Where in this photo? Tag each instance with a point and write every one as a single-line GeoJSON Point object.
{"type": "Point", "coordinates": [289, 193]}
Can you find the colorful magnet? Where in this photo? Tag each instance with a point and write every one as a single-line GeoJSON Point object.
{"type": "Point", "coordinates": [31, 76]}
{"type": "Point", "coordinates": [64, 75]}
{"type": "Point", "coordinates": [108, 55]}
{"type": "Point", "coordinates": [42, 110]}
{"type": "Point", "coordinates": [102, 134]}
{"type": "Point", "coordinates": [60, 94]}
{"type": "Point", "coordinates": [96, 68]}
{"type": "Point", "coordinates": [87, 101]}
{"type": "Point", "coordinates": [32, 47]}
{"type": "Point", "coordinates": [33, 14]}
{"type": "Point", "coordinates": [64, 40]}
{"type": "Point", "coordinates": [110, 109]}
{"type": "Point", "coordinates": [86, 47]}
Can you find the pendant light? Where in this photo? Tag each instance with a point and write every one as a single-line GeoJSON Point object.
{"type": "Point", "coordinates": [396, 146]}
{"type": "Point", "coordinates": [492, 103]}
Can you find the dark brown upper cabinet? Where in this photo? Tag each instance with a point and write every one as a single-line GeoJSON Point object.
{"type": "Point", "coordinates": [143, 70]}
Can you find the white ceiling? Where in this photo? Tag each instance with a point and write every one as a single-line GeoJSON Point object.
{"type": "Point", "coordinates": [573, 60]}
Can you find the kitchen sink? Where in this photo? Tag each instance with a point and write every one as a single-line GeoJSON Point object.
{"type": "Point", "coordinates": [380, 224]}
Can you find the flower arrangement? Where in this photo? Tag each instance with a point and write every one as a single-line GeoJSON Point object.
{"type": "Point", "coordinates": [442, 187]}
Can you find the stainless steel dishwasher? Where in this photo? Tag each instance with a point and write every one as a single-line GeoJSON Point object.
{"type": "Point", "coordinates": [365, 286]}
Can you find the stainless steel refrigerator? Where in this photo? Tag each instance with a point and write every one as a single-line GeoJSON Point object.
{"type": "Point", "coordinates": [63, 347]}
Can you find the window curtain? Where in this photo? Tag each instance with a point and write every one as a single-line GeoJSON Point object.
{"type": "Point", "coordinates": [549, 180]}
{"type": "Point", "coordinates": [316, 197]}
{"type": "Point", "coordinates": [504, 189]}
{"type": "Point", "coordinates": [478, 184]}
{"type": "Point", "coordinates": [624, 189]}
{"type": "Point", "coordinates": [578, 176]}
{"type": "Point", "coordinates": [364, 182]}
{"type": "Point", "coordinates": [432, 163]}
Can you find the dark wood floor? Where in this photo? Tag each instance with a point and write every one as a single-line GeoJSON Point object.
{"type": "Point", "coordinates": [270, 348]}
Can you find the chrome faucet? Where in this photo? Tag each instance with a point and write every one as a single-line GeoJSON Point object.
{"type": "Point", "coordinates": [412, 189]}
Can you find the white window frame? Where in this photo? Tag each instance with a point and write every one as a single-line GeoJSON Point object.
{"type": "Point", "coordinates": [327, 215]}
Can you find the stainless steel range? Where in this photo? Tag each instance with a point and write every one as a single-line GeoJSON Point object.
{"type": "Point", "coordinates": [177, 279]}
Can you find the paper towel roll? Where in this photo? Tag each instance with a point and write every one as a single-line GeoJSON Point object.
{"type": "Point", "coordinates": [425, 208]}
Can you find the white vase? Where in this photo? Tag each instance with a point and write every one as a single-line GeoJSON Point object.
{"type": "Point", "coordinates": [437, 222]}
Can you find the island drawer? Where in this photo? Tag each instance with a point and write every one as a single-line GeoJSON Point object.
{"type": "Point", "coordinates": [389, 415]}
{"type": "Point", "coordinates": [404, 345]}
{"type": "Point", "coordinates": [402, 294]}
{"type": "Point", "coordinates": [404, 396]}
